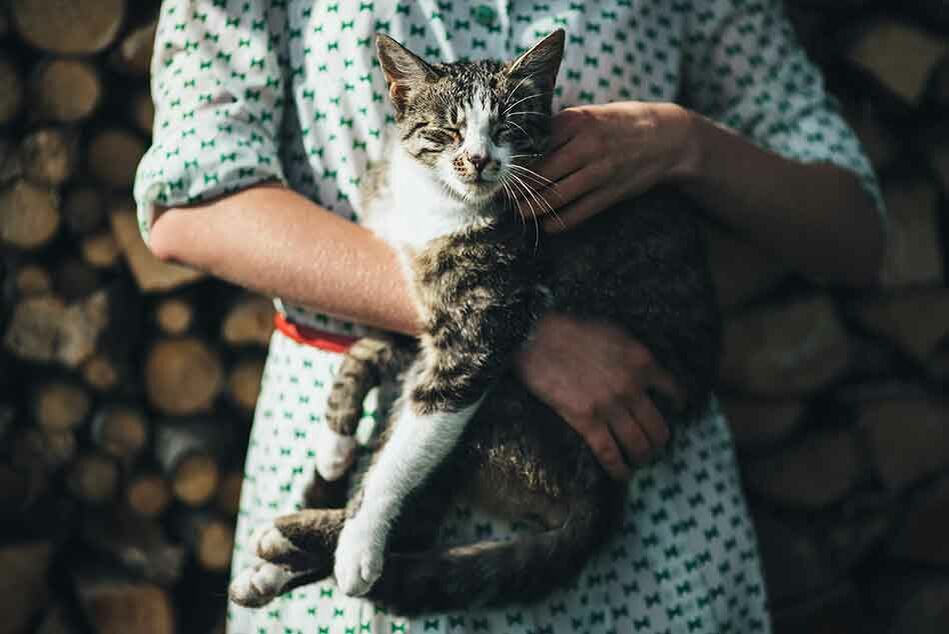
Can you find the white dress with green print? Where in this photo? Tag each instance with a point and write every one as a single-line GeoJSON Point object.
{"type": "Point", "coordinates": [251, 90]}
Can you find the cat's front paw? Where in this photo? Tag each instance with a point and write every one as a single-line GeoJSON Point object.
{"type": "Point", "coordinates": [259, 584]}
{"type": "Point", "coordinates": [334, 453]}
{"type": "Point", "coordinates": [359, 558]}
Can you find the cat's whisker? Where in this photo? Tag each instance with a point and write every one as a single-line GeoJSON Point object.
{"type": "Point", "coordinates": [523, 187]}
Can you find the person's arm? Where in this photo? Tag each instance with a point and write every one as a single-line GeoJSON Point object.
{"type": "Point", "coordinates": [273, 240]}
{"type": "Point", "coordinates": [805, 213]}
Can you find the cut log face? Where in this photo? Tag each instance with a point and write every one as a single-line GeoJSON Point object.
{"type": "Point", "coordinates": [29, 215]}
{"type": "Point", "coordinates": [65, 90]}
{"type": "Point", "coordinates": [899, 55]}
{"type": "Point", "coordinates": [908, 439]}
{"type": "Point", "coordinates": [182, 376]}
{"type": "Point", "coordinates": [68, 27]}
{"type": "Point", "coordinates": [148, 494]}
{"type": "Point", "coordinates": [151, 274]}
{"type": "Point", "coordinates": [60, 405]}
{"type": "Point", "coordinates": [811, 474]}
{"type": "Point", "coordinates": [788, 349]}
{"type": "Point", "coordinates": [134, 54]}
{"type": "Point", "coordinates": [249, 322]}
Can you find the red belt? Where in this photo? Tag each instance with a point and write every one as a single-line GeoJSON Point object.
{"type": "Point", "coordinates": [306, 335]}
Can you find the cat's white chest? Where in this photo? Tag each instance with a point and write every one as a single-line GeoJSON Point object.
{"type": "Point", "coordinates": [413, 209]}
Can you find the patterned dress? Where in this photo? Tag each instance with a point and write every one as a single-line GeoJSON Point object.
{"type": "Point", "coordinates": [251, 90]}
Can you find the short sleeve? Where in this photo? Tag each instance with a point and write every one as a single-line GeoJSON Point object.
{"type": "Point", "coordinates": [745, 68]}
{"type": "Point", "coordinates": [217, 85]}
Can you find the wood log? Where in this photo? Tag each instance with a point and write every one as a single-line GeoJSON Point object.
{"type": "Point", "coordinates": [182, 376]}
{"type": "Point", "coordinates": [151, 274]}
{"type": "Point", "coordinates": [136, 543]}
{"type": "Point", "coordinates": [142, 112]}
{"type": "Point", "coordinates": [187, 453]}
{"type": "Point", "coordinates": [134, 54]}
{"type": "Point", "coordinates": [100, 372]}
{"type": "Point", "coordinates": [44, 329]}
{"type": "Point", "coordinates": [11, 97]}
{"type": "Point", "coordinates": [174, 316]}
{"type": "Point", "coordinates": [83, 209]}
{"type": "Point", "coordinates": [787, 349]}
{"type": "Point", "coordinates": [33, 280]}
{"type": "Point", "coordinates": [29, 215]}
{"type": "Point", "coordinates": [120, 431]}
{"type": "Point", "coordinates": [249, 321]}
{"type": "Point", "coordinates": [148, 494]}
{"type": "Point", "coordinates": [23, 584]}
{"type": "Point", "coordinates": [68, 27]}
{"type": "Point", "coordinates": [228, 498]}
{"type": "Point", "coordinates": [48, 156]}
{"type": "Point", "coordinates": [209, 536]}
{"type": "Point", "coordinates": [113, 155]}
{"type": "Point", "coordinates": [243, 383]}
{"type": "Point", "coordinates": [100, 250]}
{"type": "Point", "coordinates": [898, 54]}
{"type": "Point", "coordinates": [60, 405]}
{"type": "Point", "coordinates": [114, 604]}
{"type": "Point", "coordinates": [913, 253]}
{"type": "Point", "coordinates": [93, 478]}
{"type": "Point", "coordinates": [65, 90]}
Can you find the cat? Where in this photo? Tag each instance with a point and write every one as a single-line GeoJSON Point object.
{"type": "Point", "coordinates": [463, 425]}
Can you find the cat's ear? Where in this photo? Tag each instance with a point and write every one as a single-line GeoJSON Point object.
{"type": "Point", "coordinates": [542, 61]}
{"type": "Point", "coordinates": [404, 70]}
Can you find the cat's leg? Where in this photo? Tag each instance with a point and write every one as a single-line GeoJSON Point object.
{"type": "Point", "coordinates": [364, 366]}
{"type": "Point", "coordinates": [419, 440]}
{"type": "Point", "coordinates": [294, 550]}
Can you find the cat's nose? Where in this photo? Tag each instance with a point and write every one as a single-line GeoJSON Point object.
{"type": "Point", "coordinates": [478, 161]}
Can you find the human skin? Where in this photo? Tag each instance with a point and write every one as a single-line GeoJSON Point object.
{"type": "Point", "coordinates": [275, 241]}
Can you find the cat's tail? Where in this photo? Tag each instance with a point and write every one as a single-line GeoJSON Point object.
{"type": "Point", "coordinates": [494, 572]}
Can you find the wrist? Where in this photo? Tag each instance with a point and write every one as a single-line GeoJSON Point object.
{"type": "Point", "coordinates": [689, 153]}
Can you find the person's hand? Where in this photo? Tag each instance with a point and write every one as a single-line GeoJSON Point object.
{"type": "Point", "coordinates": [596, 377]}
{"type": "Point", "coordinates": [602, 154]}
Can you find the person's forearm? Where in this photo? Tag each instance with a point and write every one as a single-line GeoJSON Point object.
{"type": "Point", "coordinates": [816, 217]}
{"type": "Point", "coordinates": [275, 241]}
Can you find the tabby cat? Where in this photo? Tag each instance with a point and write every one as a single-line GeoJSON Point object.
{"type": "Point", "coordinates": [448, 199]}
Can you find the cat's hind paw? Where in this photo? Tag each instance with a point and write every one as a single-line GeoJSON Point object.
{"type": "Point", "coordinates": [359, 559]}
{"type": "Point", "coordinates": [259, 584]}
{"type": "Point", "coordinates": [334, 453]}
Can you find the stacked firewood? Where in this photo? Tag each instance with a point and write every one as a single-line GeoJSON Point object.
{"type": "Point", "coordinates": [127, 385]}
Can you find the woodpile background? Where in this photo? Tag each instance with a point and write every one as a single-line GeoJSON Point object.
{"type": "Point", "coordinates": [127, 386]}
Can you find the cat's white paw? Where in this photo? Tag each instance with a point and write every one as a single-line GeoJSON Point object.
{"type": "Point", "coordinates": [257, 585]}
{"type": "Point", "coordinates": [359, 558]}
{"type": "Point", "coordinates": [334, 453]}
{"type": "Point", "coordinates": [270, 543]}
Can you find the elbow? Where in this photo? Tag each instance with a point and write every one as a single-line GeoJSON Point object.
{"type": "Point", "coordinates": [165, 238]}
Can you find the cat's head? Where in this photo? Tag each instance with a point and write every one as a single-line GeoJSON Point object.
{"type": "Point", "coordinates": [474, 124]}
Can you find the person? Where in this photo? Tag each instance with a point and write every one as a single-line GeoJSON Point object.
{"type": "Point", "coordinates": [267, 113]}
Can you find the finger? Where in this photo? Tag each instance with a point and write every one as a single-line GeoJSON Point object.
{"type": "Point", "coordinates": [660, 379]}
{"type": "Point", "coordinates": [566, 159]}
{"type": "Point", "coordinates": [599, 438]}
{"type": "Point", "coordinates": [629, 434]}
{"type": "Point", "coordinates": [650, 421]}
{"type": "Point", "coordinates": [581, 208]}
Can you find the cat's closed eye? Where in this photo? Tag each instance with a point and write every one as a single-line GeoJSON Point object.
{"type": "Point", "coordinates": [442, 136]}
